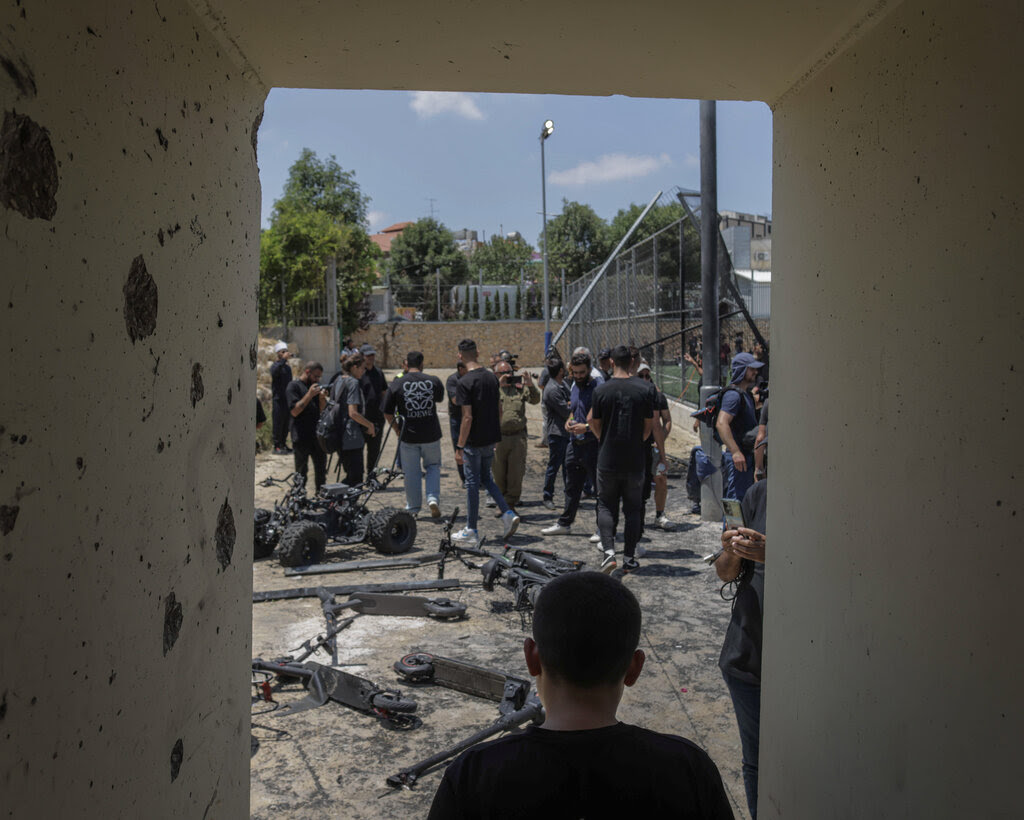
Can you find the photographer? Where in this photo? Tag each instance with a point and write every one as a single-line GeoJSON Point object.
{"type": "Point", "coordinates": [305, 400]}
{"type": "Point", "coordinates": [358, 429]}
{"type": "Point", "coordinates": [515, 392]}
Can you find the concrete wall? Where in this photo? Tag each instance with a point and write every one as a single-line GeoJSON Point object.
{"type": "Point", "coordinates": [129, 219]}
{"type": "Point", "coordinates": [892, 681]}
{"type": "Point", "coordinates": [438, 341]}
{"type": "Point", "coordinates": [319, 344]}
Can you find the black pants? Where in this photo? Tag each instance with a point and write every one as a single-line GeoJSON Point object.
{"type": "Point", "coordinates": [305, 450]}
{"type": "Point", "coordinates": [279, 410]}
{"type": "Point", "coordinates": [580, 465]}
{"type": "Point", "coordinates": [372, 447]}
{"type": "Point", "coordinates": [454, 423]}
{"type": "Point", "coordinates": [352, 464]}
{"type": "Point", "coordinates": [626, 488]}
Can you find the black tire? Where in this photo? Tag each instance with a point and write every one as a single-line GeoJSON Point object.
{"type": "Point", "coordinates": [418, 666]}
{"type": "Point", "coordinates": [392, 702]}
{"type": "Point", "coordinates": [263, 538]}
{"type": "Point", "coordinates": [445, 608]}
{"type": "Point", "coordinates": [302, 543]}
{"type": "Point", "coordinates": [391, 531]}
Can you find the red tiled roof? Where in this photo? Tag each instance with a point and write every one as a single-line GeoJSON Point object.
{"type": "Point", "coordinates": [384, 239]}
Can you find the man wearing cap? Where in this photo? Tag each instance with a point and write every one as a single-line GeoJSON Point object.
{"type": "Point", "coordinates": [736, 418]}
{"type": "Point", "coordinates": [373, 385]}
{"type": "Point", "coordinates": [280, 378]}
{"type": "Point", "coordinates": [604, 363]}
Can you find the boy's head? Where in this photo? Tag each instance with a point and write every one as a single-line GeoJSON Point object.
{"type": "Point", "coordinates": [586, 627]}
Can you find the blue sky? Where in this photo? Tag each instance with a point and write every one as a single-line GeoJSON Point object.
{"type": "Point", "coordinates": [477, 156]}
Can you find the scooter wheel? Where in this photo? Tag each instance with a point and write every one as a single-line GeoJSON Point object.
{"type": "Point", "coordinates": [445, 608]}
{"type": "Point", "coordinates": [418, 666]}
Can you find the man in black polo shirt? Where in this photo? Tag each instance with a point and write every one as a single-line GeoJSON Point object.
{"type": "Point", "coordinates": [305, 401]}
{"type": "Point", "coordinates": [477, 396]}
{"type": "Point", "coordinates": [415, 397]}
{"type": "Point", "coordinates": [621, 416]}
{"type": "Point", "coordinates": [373, 385]}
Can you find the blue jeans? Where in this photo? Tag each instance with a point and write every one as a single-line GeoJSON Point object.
{"type": "Point", "coordinates": [477, 462]}
{"type": "Point", "coordinates": [735, 483]}
{"type": "Point", "coordinates": [746, 702]}
{"type": "Point", "coordinates": [430, 454]}
{"type": "Point", "coordinates": [556, 461]}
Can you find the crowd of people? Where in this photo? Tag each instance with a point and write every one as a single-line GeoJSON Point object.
{"type": "Point", "coordinates": [605, 427]}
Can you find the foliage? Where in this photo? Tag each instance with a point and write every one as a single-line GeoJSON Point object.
{"type": "Point", "coordinates": [321, 214]}
{"type": "Point", "coordinates": [578, 240]}
{"type": "Point", "coordinates": [658, 217]}
{"type": "Point", "coordinates": [502, 259]}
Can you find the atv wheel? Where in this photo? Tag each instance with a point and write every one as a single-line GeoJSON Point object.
{"type": "Point", "coordinates": [418, 666]}
{"type": "Point", "coordinates": [391, 531]}
{"type": "Point", "coordinates": [264, 539]}
{"type": "Point", "coordinates": [302, 543]}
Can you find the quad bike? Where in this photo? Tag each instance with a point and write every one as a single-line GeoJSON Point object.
{"type": "Point", "coordinates": [299, 528]}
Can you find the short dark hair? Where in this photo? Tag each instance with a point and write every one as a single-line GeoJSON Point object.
{"type": "Point", "coordinates": [580, 359]}
{"type": "Point", "coordinates": [622, 357]}
{"type": "Point", "coordinates": [414, 359]}
{"type": "Point", "coordinates": [353, 361]}
{"type": "Point", "coordinates": [587, 626]}
{"type": "Point", "coordinates": [311, 366]}
{"type": "Point", "coordinates": [555, 366]}
{"type": "Point", "coordinates": [467, 345]}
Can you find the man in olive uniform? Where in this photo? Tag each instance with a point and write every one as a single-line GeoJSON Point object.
{"type": "Point", "coordinates": [510, 452]}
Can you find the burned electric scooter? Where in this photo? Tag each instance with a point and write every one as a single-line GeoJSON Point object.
{"type": "Point", "coordinates": [515, 705]}
{"type": "Point", "coordinates": [525, 572]}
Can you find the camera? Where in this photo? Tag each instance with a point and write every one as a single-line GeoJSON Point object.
{"type": "Point", "coordinates": [506, 356]}
{"type": "Point", "coordinates": [514, 379]}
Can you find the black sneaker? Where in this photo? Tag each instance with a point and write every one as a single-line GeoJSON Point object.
{"type": "Point", "coordinates": [695, 509]}
{"type": "Point", "coordinates": [608, 564]}
{"type": "Point", "coordinates": [630, 565]}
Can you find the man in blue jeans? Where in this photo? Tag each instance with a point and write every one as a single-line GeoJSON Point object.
{"type": "Point", "coordinates": [415, 397]}
{"type": "Point", "coordinates": [477, 395]}
{"type": "Point", "coordinates": [736, 418]}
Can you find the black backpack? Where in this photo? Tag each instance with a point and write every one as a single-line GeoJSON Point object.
{"type": "Point", "coordinates": [708, 415]}
{"type": "Point", "coordinates": [330, 428]}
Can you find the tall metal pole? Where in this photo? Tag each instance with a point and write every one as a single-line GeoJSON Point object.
{"type": "Point", "coordinates": [544, 134]}
{"type": "Point", "coordinates": [437, 273]}
{"type": "Point", "coordinates": [711, 487]}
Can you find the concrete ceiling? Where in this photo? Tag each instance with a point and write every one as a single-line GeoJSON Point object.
{"type": "Point", "coordinates": [744, 49]}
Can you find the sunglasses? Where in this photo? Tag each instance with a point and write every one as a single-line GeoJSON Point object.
{"type": "Point", "coordinates": [646, 376]}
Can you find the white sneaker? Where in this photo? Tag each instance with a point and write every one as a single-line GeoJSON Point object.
{"type": "Point", "coordinates": [556, 529]}
{"type": "Point", "coordinates": [435, 509]}
{"type": "Point", "coordinates": [466, 536]}
{"type": "Point", "coordinates": [548, 504]}
{"type": "Point", "coordinates": [595, 538]}
{"type": "Point", "coordinates": [665, 523]}
{"type": "Point", "coordinates": [608, 564]}
{"type": "Point", "coordinates": [510, 521]}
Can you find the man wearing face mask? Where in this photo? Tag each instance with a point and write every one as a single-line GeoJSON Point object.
{"type": "Point", "coordinates": [581, 454]}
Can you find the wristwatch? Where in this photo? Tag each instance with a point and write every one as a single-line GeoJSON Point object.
{"type": "Point", "coordinates": [457, 447]}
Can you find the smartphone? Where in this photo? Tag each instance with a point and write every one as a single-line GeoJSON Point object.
{"type": "Point", "coordinates": [514, 380]}
{"type": "Point", "coordinates": [734, 518]}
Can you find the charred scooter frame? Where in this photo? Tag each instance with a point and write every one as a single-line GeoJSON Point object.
{"type": "Point", "coordinates": [300, 527]}
{"type": "Point", "coordinates": [515, 705]}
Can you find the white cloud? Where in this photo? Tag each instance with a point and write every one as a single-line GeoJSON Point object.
{"type": "Point", "coordinates": [610, 168]}
{"type": "Point", "coordinates": [691, 161]}
{"type": "Point", "coordinates": [431, 103]}
{"type": "Point", "coordinates": [377, 220]}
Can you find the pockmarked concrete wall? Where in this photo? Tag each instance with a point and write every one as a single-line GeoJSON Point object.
{"type": "Point", "coordinates": [129, 217]}
{"type": "Point", "coordinates": [438, 341]}
{"type": "Point", "coordinates": [892, 674]}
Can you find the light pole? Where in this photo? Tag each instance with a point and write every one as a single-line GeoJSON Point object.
{"type": "Point", "coordinates": [545, 132]}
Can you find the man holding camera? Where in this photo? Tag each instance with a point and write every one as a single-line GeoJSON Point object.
{"type": "Point", "coordinates": [515, 392]}
{"type": "Point", "coordinates": [305, 401]}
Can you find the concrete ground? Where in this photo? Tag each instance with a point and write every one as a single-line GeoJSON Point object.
{"type": "Point", "coordinates": [335, 760]}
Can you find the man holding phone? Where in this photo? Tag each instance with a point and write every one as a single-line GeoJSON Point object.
{"type": "Point", "coordinates": [305, 401]}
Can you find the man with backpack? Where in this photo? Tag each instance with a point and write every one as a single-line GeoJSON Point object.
{"type": "Point", "coordinates": [415, 397]}
{"type": "Point", "coordinates": [737, 421]}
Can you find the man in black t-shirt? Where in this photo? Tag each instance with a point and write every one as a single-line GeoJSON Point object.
{"type": "Point", "coordinates": [373, 385]}
{"type": "Point", "coordinates": [305, 401]}
{"type": "Point", "coordinates": [477, 396]}
{"type": "Point", "coordinates": [415, 397]}
{"type": "Point", "coordinates": [582, 762]}
{"type": "Point", "coordinates": [280, 378]}
{"type": "Point", "coordinates": [621, 416]}
{"type": "Point", "coordinates": [455, 412]}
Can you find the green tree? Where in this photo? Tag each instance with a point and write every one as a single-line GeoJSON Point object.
{"type": "Point", "coordinates": [321, 214]}
{"type": "Point", "coordinates": [578, 240]}
{"type": "Point", "coordinates": [502, 259]}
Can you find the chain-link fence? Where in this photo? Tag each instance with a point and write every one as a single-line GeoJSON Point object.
{"type": "Point", "coordinates": [650, 296]}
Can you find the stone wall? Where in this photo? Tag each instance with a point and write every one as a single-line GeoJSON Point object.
{"type": "Point", "coordinates": [438, 340]}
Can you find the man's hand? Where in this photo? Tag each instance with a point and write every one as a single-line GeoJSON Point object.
{"type": "Point", "coordinates": [576, 429]}
{"type": "Point", "coordinates": [739, 461]}
{"type": "Point", "coordinates": [458, 457]}
{"type": "Point", "coordinates": [371, 431]}
{"type": "Point", "coordinates": [745, 543]}
{"type": "Point", "coordinates": [527, 378]}
{"type": "Point", "coordinates": [314, 390]}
